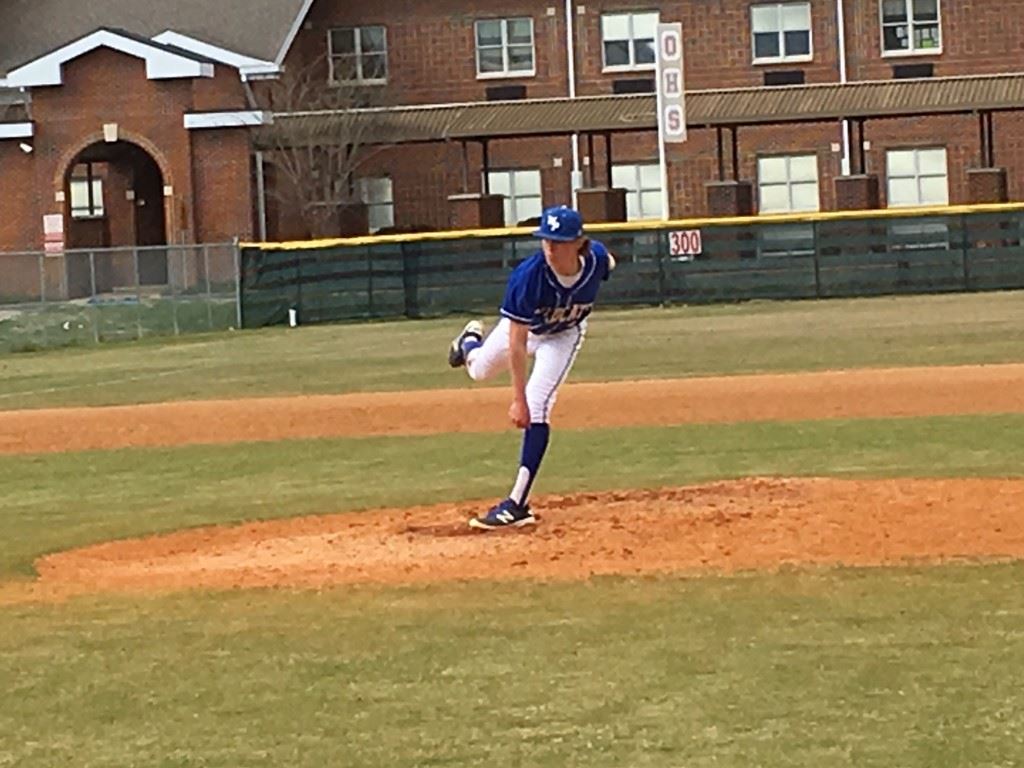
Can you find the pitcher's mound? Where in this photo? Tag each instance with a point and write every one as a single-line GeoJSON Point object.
{"type": "Point", "coordinates": [758, 523]}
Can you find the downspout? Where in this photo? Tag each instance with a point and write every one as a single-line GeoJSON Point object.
{"type": "Point", "coordinates": [570, 52]}
{"type": "Point", "coordinates": [261, 188]}
{"type": "Point", "coordinates": [841, 31]}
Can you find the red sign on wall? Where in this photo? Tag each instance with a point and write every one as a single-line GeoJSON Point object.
{"type": "Point", "coordinates": [53, 234]}
{"type": "Point", "coordinates": [685, 242]}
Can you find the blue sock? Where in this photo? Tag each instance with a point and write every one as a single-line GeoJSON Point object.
{"type": "Point", "coordinates": [469, 344]}
{"type": "Point", "coordinates": [535, 443]}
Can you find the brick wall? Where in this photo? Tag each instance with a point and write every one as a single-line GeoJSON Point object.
{"type": "Point", "coordinates": [431, 59]}
{"type": "Point", "coordinates": [223, 185]}
{"type": "Point", "coordinates": [106, 86]}
{"type": "Point", "coordinates": [21, 223]}
{"type": "Point", "coordinates": [431, 51]}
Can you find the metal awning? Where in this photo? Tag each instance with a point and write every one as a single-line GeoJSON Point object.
{"type": "Point", "coordinates": [622, 113]}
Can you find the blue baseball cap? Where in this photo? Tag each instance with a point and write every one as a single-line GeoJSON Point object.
{"type": "Point", "coordinates": [560, 223]}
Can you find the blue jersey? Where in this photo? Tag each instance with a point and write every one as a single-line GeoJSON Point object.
{"type": "Point", "coordinates": [535, 297]}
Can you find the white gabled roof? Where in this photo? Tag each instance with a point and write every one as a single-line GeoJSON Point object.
{"type": "Point", "coordinates": [247, 66]}
{"type": "Point", "coordinates": [162, 61]}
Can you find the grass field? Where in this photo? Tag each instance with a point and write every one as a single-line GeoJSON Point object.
{"type": "Point", "coordinates": [806, 667]}
{"type": "Point", "coordinates": [40, 327]}
{"type": "Point", "coordinates": [642, 343]}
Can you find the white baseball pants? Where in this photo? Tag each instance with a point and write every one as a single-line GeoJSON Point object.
{"type": "Point", "coordinates": [553, 356]}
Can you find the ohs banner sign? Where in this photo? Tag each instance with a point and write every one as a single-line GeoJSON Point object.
{"type": "Point", "coordinates": [671, 104]}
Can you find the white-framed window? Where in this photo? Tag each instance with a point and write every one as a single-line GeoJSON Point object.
{"type": "Point", "coordinates": [357, 54]}
{"type": "Point", "coordinates": [504, 47]}
{"type": "Point", "coordinates": [86, 192]}
{"type": "Point", "coordinates": [379, 196]}
{"type": "Point", "coordinates": [781, 32]}
{"type": "Point", "coordinates": [916, 177]}
{"type": "Point", "coordinates": [627, 40]}
{"type": "Point", "coordinates": [911, 27]}
{"type": "Point", "coordinates": [642, 182]}
{"type": "Point", "coordinates": [522, 191]}
{"type": "Point", "coordinates": [787, 184]}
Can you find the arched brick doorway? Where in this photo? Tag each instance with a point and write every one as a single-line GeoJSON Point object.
{"type": "Point", "coordinates": [114, 197]}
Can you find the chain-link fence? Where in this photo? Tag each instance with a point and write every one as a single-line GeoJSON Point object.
{"type": "Point", "coordinates": [97, 295]}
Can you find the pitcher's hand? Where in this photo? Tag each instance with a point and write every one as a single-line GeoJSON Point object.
{"type": "Point", "coordinates": [519, 413]}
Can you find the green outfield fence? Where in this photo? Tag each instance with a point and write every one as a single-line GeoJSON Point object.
{"type": "Point", "coordinates": [689, 261]}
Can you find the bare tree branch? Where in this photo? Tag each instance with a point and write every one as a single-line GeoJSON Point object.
{"type": "Point", "coordinates": [316, 170]}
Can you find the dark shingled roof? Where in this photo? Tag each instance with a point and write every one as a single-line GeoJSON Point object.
{"type": "Point", "coordinates": [32, 28]}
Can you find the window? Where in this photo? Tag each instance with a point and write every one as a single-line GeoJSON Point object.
{"type": "Point", "coordinates": [522, 193]}
{"type": "Point", "coordinates": [357, 55]}
{"type": "Point", "coordinates": [781, 32]}
{"type": "Point", "coordinates": [917, 177]}
{"type": "Point", "coordinates": [910, 26]}
{"type": "Point", "coordinates": [378, 195]}
{"type": "Point", "coordinates": [86, 192]}
{"type": "Point", "coordinates": [628, 40]}
{"type": "Point", "coordinates": [787, 184]}
{"type": "Point", "coordinates": [504, 47]}
{"type": "Point", "coordinates": [642, 183]}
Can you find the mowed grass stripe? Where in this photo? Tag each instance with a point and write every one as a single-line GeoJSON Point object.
{"type": "Point", "coordinates": [55, 502]}
{"type": "Point", "coordinates": [873, 668]}
{"type": "Point", "coordinates": [622, 344]}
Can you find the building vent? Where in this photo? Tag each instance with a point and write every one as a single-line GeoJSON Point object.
{"type": "Point", "coordinates": [633, 85]}
{"type": "Point", "coordinates": [910, 71]}
{"type": "Point", "coordinates": [786, 77]}
{"type": "Point", "coordinates": [506, 92]}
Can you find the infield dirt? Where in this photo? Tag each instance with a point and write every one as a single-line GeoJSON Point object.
{"type": "Point", "coordinates": [755, 523]}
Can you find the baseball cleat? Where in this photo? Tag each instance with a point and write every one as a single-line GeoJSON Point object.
{"type": "Point", "coordinates": [505, 514]}
{"type": "Point", "coordinates": [474, 331]}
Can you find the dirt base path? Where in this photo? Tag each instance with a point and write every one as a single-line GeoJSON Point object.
{"type": "Point", "coordinates": [725, 526]}
{"type": "Point", "coordinates": [831, 394]}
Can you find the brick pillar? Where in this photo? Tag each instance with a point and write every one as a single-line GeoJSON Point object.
{"type": "Point", "coordinates": [987, 185]}
{"type": "Point", "coordinates": [730, 198]}
{"type": "Point", "coordinates": [354, 220]}
{"type": "Point", "coordinates": [602, 204]}
{"type": "Point", "coordinates": [472, 211]}
{"type": "Point", "coordinates": [857, 193]}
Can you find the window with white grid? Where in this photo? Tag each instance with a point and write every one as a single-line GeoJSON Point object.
{"type": "Point", "coordinates": [504, 47]}
{"type": "Point", "coordinates": [522, 191]}
{"type": "Point", "coordinates": [627, 40]}
{"type": "Point", "coordinates": [911, 27]}
{"type": "Point", "coordinates": [642, 182]}
{"type": "Point", "coordinates": [357, 55]}
{"type": "Point", "coordinates": [781, 32]}
{"type": "Point", "coordinates": [378, 195]}
{"type": "Point", "coordinates": [787, 184]}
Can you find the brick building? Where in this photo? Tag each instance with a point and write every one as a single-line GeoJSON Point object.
{"type": "Point", "coordinates": [127, 122]}
{"type": "Point", "coordinates": [200, 122]}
